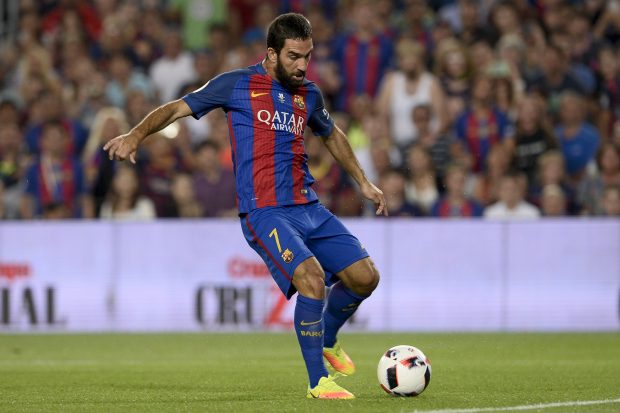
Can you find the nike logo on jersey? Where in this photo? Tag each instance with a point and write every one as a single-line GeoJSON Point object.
{"type": "Point", "coordinates": [254, 94]}
{"type": "Point", "coordinates": [303, 323]}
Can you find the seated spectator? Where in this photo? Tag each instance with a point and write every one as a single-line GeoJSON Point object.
{"type": "Point", "coordinates": [13, 162]}
{"type": "Point", "coordinates": [590, 189]}
{"type": "Point", "coordinates": [532, 139]}
{"type": "Point", "coordinates": [214, 186]}
{"type": "Point", "coordinates": [421, 184]}
{"type": "Point", "coordinates": [404, 89]}
{"type": "Point", "coordinates": [157, 174]}
{"type": "Point", "coordinates": [610, 202]}
{"type": "Point", "coordinates": [551, 170]}
{"type": "Point", "coordinates": [363, 55]}
{"type": "Point", "coordinates": [453, 69]}
{"type": "Point", "coordinates": [454, 203]}
{"type": "Point", "coordinates": [437, 144]}
{"type": "Point", "coordinates": [109, 123]}
{"type": "Point", "coordinates": [608, 92]}
{"type": "Point", "coordinates": [556, 78]}
{"type": "Point", "coordinates": [511, 204]}
{"type": "Point", "coordinates": [487, 184]}
{"type": "Point", "coordinates": [187, 205]}
{"type": "Point", "coordinates": [171, 71]}
{"type": "Point", "coordinates": [56, 178]}
{"type": "Point", "coordinates": [482, 125]}
{"type": "Point", "coordinates": [332, 184]}
{"type": "Point", "coordinates": [124, 79]}
{"type": "Point", "coordinates": [579, 140]}
{"type": "Point", "coordinates": [553, 201]}
{"type": "Point", "coordinates": [52, 110]}
{"type": "Point", "coordinates": [123, 200]}
{"type": "Point", "coordinates": [393, 183]}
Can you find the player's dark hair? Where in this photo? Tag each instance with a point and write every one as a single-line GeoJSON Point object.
{"type": "Point", "coordinates": [287, 26]}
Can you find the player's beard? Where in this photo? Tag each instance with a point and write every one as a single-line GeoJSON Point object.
{"type": "Point", "coordinates": [286, 79]}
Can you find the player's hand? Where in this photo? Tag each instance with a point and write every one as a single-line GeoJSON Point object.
{"type": "Point", "coordinates": [123, 147]}
{"type": "Point", "coordinates": [370, 191]}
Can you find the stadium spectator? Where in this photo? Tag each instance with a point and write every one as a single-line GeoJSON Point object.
{"type": "Point", "coordinates": [555, 78]}
{"type": "Point", "coordinates": [421, 184]}
{"type": "Point", "coordinates": [157, 174]}
{"type": "Point", "coordinates": [196, 17]}
{"type": "Point", "coordinates": [332, 184]}
{"type": "Point", "coordinates": [171, 71]}
{"type": "Point", "coordinates": [552, 171]}
{"type": "Point", "coordinates": [482, 125]}
{"type": "Point", "coordinates": [532, 138]}
{"type": "Point", "coordinates": [213, 186]}
{"type": "Point", "coordinates": [453, 70]}
{"type": "Point", "coordinates": [487, 184]}
{"type": "Point", "coordinates": [13, 164]}
{"type": "Point", "coordinates": [511, 204]}
{"type": "Point", "coordinates": [438, 145]}
{"type": "Point", "coordinates": [187, 206]}
{"type": "Point", "coordinates": [454, 203]}
{"type": "Point", "coordinates": [611, 202]}
{"type": "Point", "coordinates": [363, 55]}
{"type": "Point", "coordinates": [608, 91]}
{"type": "Point", "coordinates": [553, 201]}
{"type": "Point", "coordinates": [124, 79]}
{"type": "Point", "coordinates": [590, 189]}
{"type": "Point", "coordinates": [579, 140]}
{"type": "Point", "coordinates": [51, 109]}
{"type": "Point", "coordinates": [123, 200]}
{"type": "Point", "coordinates": [404, 89]}
{"type": "Point", "coordinates": [393, 183]}
{"type": "Point", "coordinates": [56, 181]}
{"type": "Point", "coordinates": [98, 168]}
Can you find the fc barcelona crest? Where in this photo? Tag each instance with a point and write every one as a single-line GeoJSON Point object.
{"type": "Point", "coordinates": [299, 101]}
{"type": "Point", "coordinates": [287, 256]}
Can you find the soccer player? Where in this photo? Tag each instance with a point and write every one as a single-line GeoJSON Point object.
{"type": "Point", "coordinates": [305, 246]}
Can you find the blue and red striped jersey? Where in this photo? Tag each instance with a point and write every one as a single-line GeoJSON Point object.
{"type": "Point", "coordinates": [266, 124]}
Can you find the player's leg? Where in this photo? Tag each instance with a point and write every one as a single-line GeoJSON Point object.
{"type": "Point", "coordinates": [272, 235]}
{"type": "Point", "coordinates": [357, 282]}
{"type": "Point", "coordinates": [340, 253]}
{"type": "Point", "coordinates": [309, 280]}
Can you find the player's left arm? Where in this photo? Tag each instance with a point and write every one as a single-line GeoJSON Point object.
{"type": "Point", "coordinates": [338, 145]}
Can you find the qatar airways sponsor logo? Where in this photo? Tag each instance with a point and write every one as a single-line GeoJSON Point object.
{"type": "Point", "coordinates": [282, 121]}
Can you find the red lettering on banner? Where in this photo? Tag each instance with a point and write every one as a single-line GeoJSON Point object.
{"type": "Point", "coordinates": [275, 316]}
{"type": "Point", "coordinates": [13, 271]}
{"type": "Point", "coordinates": [239, 267]}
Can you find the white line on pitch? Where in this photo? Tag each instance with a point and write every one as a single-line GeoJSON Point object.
{"type": "Point", "coordinates": [523, 407]}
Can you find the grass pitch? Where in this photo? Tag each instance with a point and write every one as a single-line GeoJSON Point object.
{"type": "Point", "coordinates": [264, 372]}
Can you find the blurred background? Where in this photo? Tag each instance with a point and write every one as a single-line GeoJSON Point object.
{"type": "Point", "coordinates": [507, 110]}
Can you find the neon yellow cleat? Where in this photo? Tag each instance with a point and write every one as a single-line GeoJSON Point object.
{"type": "Point", "coordinates": [328, 389]}
{"type": "Point", "coordinates": [339, 360]}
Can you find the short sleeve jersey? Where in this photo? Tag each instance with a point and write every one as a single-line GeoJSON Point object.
{"type": "Point", "coordinates": [266, 124]}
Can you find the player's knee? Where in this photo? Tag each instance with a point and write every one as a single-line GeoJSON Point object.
{"type": "Point", "coordinates": [367, 280]}
{"type": "Point", "coordinates": [310, 282]}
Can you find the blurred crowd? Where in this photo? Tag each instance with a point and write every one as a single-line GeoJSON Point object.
{"type": "Point", "coordinates": [455, 108]}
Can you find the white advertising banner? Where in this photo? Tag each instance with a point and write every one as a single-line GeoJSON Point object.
{"type": "Point", "coordinates": [451, 275]}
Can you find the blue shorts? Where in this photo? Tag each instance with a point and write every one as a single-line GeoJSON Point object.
{"type": "Point", "coordinates": [286, 236]}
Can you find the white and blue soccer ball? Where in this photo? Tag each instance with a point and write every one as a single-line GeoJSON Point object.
{"type": "Point", "coordinates": [404, 371]}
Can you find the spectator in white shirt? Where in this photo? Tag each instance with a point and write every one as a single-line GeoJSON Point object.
{"type": "Point", "coordinates": [511, 204]}
{"type": "Point", "coordinates": [174, 69]}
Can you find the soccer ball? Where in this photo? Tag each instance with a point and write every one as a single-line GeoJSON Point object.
{"type": "Point", "coordinates": [404, 371]}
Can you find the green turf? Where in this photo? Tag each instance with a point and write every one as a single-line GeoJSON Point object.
{"type": "Point", "coordinates": [264, 372]}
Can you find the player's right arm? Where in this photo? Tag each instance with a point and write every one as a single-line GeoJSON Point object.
{"type": "Point", "coordinates": [214, 94]}
{"type": "Point", "coordinates": [125, 146]}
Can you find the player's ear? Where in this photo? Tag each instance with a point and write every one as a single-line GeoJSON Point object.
{"type": "Point", "coordinates": [272, 55]}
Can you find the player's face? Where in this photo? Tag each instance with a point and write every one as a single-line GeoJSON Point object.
{"type": "Point", "coordinates": [292, 63]}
